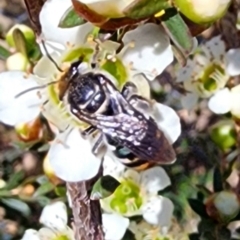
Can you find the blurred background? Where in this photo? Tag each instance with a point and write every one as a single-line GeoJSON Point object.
{"type": "Point", "coordinates": [27, 183]}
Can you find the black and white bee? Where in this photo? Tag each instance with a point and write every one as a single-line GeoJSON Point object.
{"type": "Point", "coordinates": [134, 137]}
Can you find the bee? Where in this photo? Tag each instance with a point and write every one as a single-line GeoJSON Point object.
{"type": "Point", "coordinates": [119, 116]}
{"type": "Point", "coordinates": [133, 137]}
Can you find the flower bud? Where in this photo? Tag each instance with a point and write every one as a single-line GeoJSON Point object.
{"type": "Point", "coordinates": [224, 134]}
{"type": "Point", "coordinates": [2, 183]}
{"type": "Point", "coordinates": [111, 15]}
{"type": "Point", "coordinates": [223, 206]}
{"type": "Point", "coordinates": [48, 170]}
{"type": "Point", "coordinates": [30, 131]}
{"type": "Point", "coordinates": [27, 190]}
{"type": "Point", "coordinates": [203, 11]}
{"type": "Point", "coordinates": [17, 61]}
{"type": "Point", "coordinates": [109, 8]}
{"type": "Point", "coordinates": [27, 32]}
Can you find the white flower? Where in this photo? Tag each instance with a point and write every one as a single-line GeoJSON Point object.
{"type": "Point", "coordinates": [151, 52]}
{"type": "Point", "coordinates": [233, 61]}
{"type": "Point", "coordinates": [68, 146]}
{"type": "Point", "coordinates": [226, 100]}
{"type": "Point", "coordinates": [114, 226]}
{"type": "Point", "coordinates": [138, 195]}
{"type": "Point", "coordinates": [112, 166]}
{"type": "Point", "coordinates": [208, 71]}
{"type": "Point", "coordinates": [54, 218]}
{"type": "Point", "coordinates": [146, 231]}
{"type": "Point", "coordinates": [50, 15]}
{"type": "Point", "coordinates": [70, 154]}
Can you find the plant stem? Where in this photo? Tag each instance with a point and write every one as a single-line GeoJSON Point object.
{"type": "Point", "coordinates": [86, 213]}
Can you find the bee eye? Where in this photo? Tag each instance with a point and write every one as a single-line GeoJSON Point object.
{"type": "Point", "coordinates": [81, 93]}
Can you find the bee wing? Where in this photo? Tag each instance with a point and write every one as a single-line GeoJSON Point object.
{"type": "Point", "coordinates": [143, 138]}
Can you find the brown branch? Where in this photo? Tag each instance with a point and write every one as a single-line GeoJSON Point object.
{"type": "Point", "coordinates": [87, 213]}
{"type": "Point", "coordinates": [33, 8]}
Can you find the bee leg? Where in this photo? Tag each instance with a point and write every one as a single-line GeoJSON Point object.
{"type": "Point", "coordinates": [140, 103]}
{"type": "Point", "coordinates": [129, 89]}
{"type": "Point", "coordinates": [88, 131]}
{"type": "Point", "coordinates": [97, 144]}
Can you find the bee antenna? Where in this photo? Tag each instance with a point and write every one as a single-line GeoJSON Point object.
{"type": "Point", "coordinates": [34, 88]}
{"type": "Point", "coordinates": [49, 56]}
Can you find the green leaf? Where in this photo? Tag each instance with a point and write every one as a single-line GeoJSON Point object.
{"type": "Point", "coordinates": [70, 19]}
{"type": "Point", "coordinates": [34, 53]}
{"type": "Point", "coordinates": [4, 53]}
{"type": "Point", "coordinates": [20, 41]}
{"type": "Point", "coordinates": [43, 200]}
{"type": "Point", "coordinates": [104, 187]}
{"type": "Point", "coordinates": [43, 189]}
{"type": "Point", "coordinates": [217, 180]}
{"type": "Point", "coordinates": [145, 8]}
{"type": "Point", "coordinates": [15, 180]}
{"type": "Point", "coordinates": [95, 32]}
{"type": "Point", "coordinates": [198, 207]}
{"type": "Point", "coordinates": [178, 31]}
{"type": "Point", "coordinates": [5, 193]}
{"type": "Point", "coordinates": [78, 53]}
{"type": "Point", "coordinates": [117, 69]}
{"type": "Point", "coordinates": [60, 191]}
{"type": "Point", "coordinates": [18, 205]}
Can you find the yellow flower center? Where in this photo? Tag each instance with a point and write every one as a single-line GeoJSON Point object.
{"type": "Point", "coordinates": [212, 76]}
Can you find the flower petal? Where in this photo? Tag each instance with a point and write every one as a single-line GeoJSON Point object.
{"type": "Point", "coordinates": [214, 48]}
{"type": "Point", "coordinates": [45, 68]}
{"type": "Point", "coordinates": [23, 108]}
{"type": "Point", "coordinates": [233, 62]}
{"type": "Point", "coordinates": [185, 73]}
{"type": "Point", "coordinates": [30, 234]}
{"type": "Point", "coordinates": [168, 121]}
{"type": "Point", "coordinates": [72, 159]}
{"type": "Point", "coordinates": [235, 99]}
{"type": "Point", "coordinates": [50, 16]}
{"type": "Point", "coordinates": [154, 179]}
{"type": "Point", "coordinates": [112, 167]}
{"type": "Point", "coordinates": [220, 103]}
{"type": "Point", "coordinates": [51, 47]}
{"type": "Point", "coordinates": [142, 85]}
{"type": "Point", "coordinates": [151, 53]}
{"type": "Point", "coordinates": [132, 175]}
{"type": "Point", "coordinates": [158, 211]}
{"type": "Point", "coordinates": [55, 116]}
{"type": "Point", "coordinates": [54, 216]}
{"type": "Point", "coordinates": [189, 101]}
{"type": "Point", "coordinates": [107, 8]}
{"type": "Point", "coordinates": [48, 233]}
{"type": "Point", "coordinates": [114, 226]}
